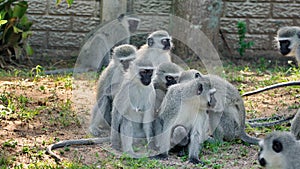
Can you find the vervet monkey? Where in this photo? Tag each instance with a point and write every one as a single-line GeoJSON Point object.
{"type": "Point", "coordinates": [185, 104]}
{"type": "Point", "coordinates": [108, 84]}
{"type": "Point", "coordinates": [279, 150]}
{"type": "Point", "coordinates": [288, 40]}
{"type": "Point", "coordinates": [227, 118]}
{"type": "Point", "coordinates": [97, 47]}
{"type": "Point", "coordinates": [295, 127]}
{"type": "Point", "coordinates": [133, 107]}
{"type": "Point", "coordinates": [157, 49]}
{"type": "Point", "coordinates": [166, 75]}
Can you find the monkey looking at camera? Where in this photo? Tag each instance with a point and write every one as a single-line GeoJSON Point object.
{"type": "Point", "coordinates": [133, 107]}
{"type": "Point", "coordinates": [157, 49]}
{"type": "Point", "coordinates": [288, 39]}
{"type": "Point", "coordinates": [167, 74]}
{"type": "Point", "coordinates": [279, 150]}
{"type": "Point", "coordinates": [108, 84]}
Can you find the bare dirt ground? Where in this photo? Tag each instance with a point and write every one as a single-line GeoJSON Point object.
{"type": "Point", "coordinates": [64, 113]}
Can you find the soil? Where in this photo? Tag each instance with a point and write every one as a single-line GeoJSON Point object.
{"type": "Point", "coordinates": [56, 121]}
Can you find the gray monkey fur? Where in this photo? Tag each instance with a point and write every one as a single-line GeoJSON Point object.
{"type": "Point", "coordinates": [279, 150]}
{"type": "Point", "coordinates": [133, 109]}
{"type": "Point", "coordinates": [95, 51]}
{"type": "Point", "coordinates": [186, 105]}
{"type": "Point", "coordinates": [295, 127]}
{"type": "Point", "coordinates": [155, 53]}
{"type": "Point", "coordinates": [108, 84]}
{"type": "Point", "coordinates": [161, 84]}
{"type": "Point", "coordinates": [227, 119]}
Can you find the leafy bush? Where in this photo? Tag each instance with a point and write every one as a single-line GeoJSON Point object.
{"type": "Point", "coordinates": [14, 31]}
{"type": "Point", "coordinates": [243, 45]}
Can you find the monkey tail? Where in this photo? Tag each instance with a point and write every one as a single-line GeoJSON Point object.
{"type": "Point", "coordinates": [89, 141]}
{"type": "Point", "coordinates": [268, 124]}
{"type": "Point", "coordinates": [249, 139]}
{"type": "Point", "coordinates": [284, 84]}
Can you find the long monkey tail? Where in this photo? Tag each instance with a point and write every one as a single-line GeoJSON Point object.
{"type": "Point", "coordinates": [284, 84]}
{"type": "Point", "coordinates": [89, 141]}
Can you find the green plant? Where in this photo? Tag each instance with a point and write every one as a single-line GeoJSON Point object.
{"type": "Point", "coordinates": [69, 2]}
{"type": "Point", "coordinates": [243, 45]}
{"type": "Point", "coordinates": [14, 31]}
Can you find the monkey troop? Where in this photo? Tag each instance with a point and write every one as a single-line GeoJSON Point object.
{"type": "Point", "coordinates": [143, 95]}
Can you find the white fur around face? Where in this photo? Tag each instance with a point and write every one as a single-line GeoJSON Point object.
{"type": "Point", "coordinates": [273, 160]}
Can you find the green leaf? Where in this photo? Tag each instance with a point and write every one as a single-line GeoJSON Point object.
{"type": "Point", "coordinates": [2, 22]}
{"type": "Point", "coordinates": [20, 9]}
{"type": "Point", "coordinates": [26, 34]}
{"type": "Point", "coordinates": [69, 2]}
{"type": "Point", "coordinates": [17, 30]}
{"type": "Point", "coordinates": [29, 50]}
{"type": "Point", "coordinates": [58, 2]}
{"type": "Point", "coordinates": [2, 14]}
{"type": "Point", "coordinates": [25, 23]}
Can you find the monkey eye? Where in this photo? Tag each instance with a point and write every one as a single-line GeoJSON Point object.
{"type": "Point", "coordinates": [169, 78]}
{"type": "Point", "coordinates": [277, 146]}
{"type": "Point", "coordinates": [200, 89]}
{"type": "Point", "coordinates": [284, 43]}
{"type": "Point", "coordinates": [197, 75]}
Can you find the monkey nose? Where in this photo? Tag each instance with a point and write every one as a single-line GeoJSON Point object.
{"type": "Point", "coordinates": [262, 162]}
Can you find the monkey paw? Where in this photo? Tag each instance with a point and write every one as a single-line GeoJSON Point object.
{"type": "Point", "coordinates": [195, 161]}
{"type": "Point", "coordinates": [95, 131]}
{"type": "Point", "coordinates": [162, 156]}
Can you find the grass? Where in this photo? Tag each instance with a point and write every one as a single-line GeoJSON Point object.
{"type": "Point", "coordinates": [53, 115]}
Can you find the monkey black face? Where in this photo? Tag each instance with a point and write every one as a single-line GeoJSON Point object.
{"type": "Point", "coordinates": [125, 64]}
{"type": "Point", "coordinates": [166, 43]}
{"type": "Point", "coordinates": [284, 47]}
{"type": "Point", "coordinates": [200, 89]}
{"type": "Point", "coordinates": [145, 76]}
{"type": "Point", "coordinates": [197, 75]}
{"type": "Point", "coordinates": [170, 80]}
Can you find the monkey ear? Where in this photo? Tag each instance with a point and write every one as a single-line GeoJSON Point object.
{"type": "Point", "coordinates": [277, 146]}
{"type": "Point", "coordinates": [150, 41]}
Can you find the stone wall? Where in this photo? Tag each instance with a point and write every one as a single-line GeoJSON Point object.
{"type": "Point", "coordinates": [58, 31]}
{"type": "Point", "coordinates": [263, 19]}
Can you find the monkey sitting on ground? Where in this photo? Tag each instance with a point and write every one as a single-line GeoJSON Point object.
{"type": "Point", "coordinates": [227, 118]}
{"type": "Point", "coordinates": [279, 150]}
{"type": "Point", "coordinates": [133, 107]}
{"type": "Point", "coordinates": [157, 49]}
{"type": "Point", "coordinates": [288, 39]}
{"type": "Point", "coordinates": [108, 84]}
{"type": "Point", "coordinates": [185, 104]}
{"type": "Point", "coordinates": [295, 127]}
